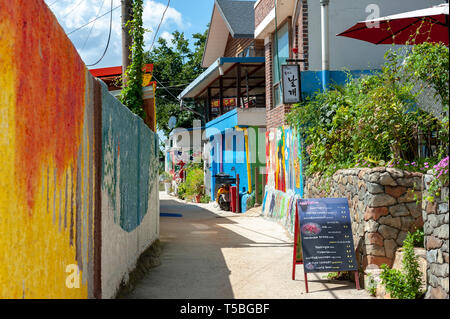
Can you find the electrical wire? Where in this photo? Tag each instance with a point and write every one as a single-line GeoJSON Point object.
{"type": "Point", "coordinates": [109, 37]}
{"type": "Point", "coordinates": [73, 8]}
{"type": "Point", "coordinates": [117, 7]}
{"type": "Point", "coordinates": [92, 26]}
{"type": "Point", "coordinates": [166, 89]}
{"type": "Point", "coordinates": [53, 3]}
{"type": "Point", "coordinates": [160, 22]}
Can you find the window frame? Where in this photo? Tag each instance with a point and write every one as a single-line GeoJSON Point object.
{"type": "Point", "coordinates": [277, 86]}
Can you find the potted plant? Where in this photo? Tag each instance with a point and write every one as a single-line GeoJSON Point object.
{"type": "Point", "coordinates": [166, 178]}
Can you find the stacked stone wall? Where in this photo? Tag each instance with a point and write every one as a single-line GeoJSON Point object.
{"type": "Point", "coordinates": [385, 203]}
{"type": "Point", "coordinates": [435, 216]}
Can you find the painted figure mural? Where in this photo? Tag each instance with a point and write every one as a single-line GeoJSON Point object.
{"type": "Point", "coordinates": [284, 175]}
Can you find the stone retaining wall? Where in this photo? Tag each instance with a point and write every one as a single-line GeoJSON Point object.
{"type": "Point", "coordinates": [436, 229]}
{"type": "Point", "coordinates": [385, 203]}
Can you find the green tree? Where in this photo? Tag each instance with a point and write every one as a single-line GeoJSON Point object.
{"type": "Point", "coordinates": [131, 95]}
{"type": "Point", "coordinates": [175, 66]}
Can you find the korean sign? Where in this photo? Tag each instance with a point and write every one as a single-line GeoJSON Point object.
{"type": "Point", "coordinates": [291, 83]}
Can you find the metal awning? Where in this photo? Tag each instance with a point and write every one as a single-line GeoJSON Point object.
{"type": "Point", "coordinates": [225, 70]}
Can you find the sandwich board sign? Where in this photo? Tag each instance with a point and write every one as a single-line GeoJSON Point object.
{"type": "Point", "coordinates": [291, 83]}
{"type": "Point", "coordinates": [323, 229]}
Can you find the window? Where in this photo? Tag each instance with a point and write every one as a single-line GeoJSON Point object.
{"type": "Point", "coordinates": [280, 55]}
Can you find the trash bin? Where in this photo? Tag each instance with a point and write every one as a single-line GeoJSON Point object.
{"type": "Point", "coordinates": [233, 198]}
{"type": "Point", "coordinates": [223, 178]}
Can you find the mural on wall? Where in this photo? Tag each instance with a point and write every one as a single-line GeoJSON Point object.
{"type": "Point", "coordinates": [130, 205]}
{"type": "Point", "coordinates": [48, 172]}
{"type": "Point", "coordinates": [283, 161]}
{"type": "Point", "coordinates": [56, 188]}
{"type": "Point", "coordinates": [284, 175]}
{"type": "Point", "coordinates": [130, 162]}
{"type": "Point", "coordinates": [280, 206]}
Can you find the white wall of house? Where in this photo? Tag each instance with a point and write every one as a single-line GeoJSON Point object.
{"type": "Point", "coordinates": [345, 52]}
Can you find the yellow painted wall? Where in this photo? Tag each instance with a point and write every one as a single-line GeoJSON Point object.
{"type": "Point", "coordinates": [46, 157]}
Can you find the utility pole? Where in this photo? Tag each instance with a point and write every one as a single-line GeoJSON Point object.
{"type": "Point", "coordinates": [127, 6]}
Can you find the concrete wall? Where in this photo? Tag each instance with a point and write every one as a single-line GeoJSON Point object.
{"type": "Point", "coordinates": [350, 53]}
{"type": "Point", "coordinates": [47, 178]}
{"type": "Point", "coordinates": [130, 203]}
{"type": "Point", "coordinates": [57, 234]}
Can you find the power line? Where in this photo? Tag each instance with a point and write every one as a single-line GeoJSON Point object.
{"type": "Point", "coordinates": [166, 89]}
{"type": "Point", "coordinates": [93, 20]}
{"type": "Point", "coordinates": [92, 26]}
{"type": "Point", "coordinates": [73, 8]}
{"type": "Point", "coordinates": [160, 22]}
{"type": "Point", "coordinates": [53, 3]}
{"type": "Point", "coordinates": [109, 37]}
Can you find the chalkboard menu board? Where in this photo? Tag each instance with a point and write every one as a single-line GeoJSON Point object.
{"type": "Point", "coordinates": [326, 235]}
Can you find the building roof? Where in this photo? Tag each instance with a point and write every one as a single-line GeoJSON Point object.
{"type": "Point", "coordinates": [211, 75]}
{"type": "Point", "coordinates": [115, 71]}
{"type": "Point", "coordinates": [239, 17]}
{"type": "Point", "coordinates": [229, 18]}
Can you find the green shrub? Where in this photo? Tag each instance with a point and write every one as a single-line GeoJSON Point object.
{"type": "Point", "coordinates": [194, 181]}
{"type": "Point", "coordinates": [404, 284]}
{"type": "Point", "coordinates": [205, 199]}
{"type": "Point", "coordinates": [374, 120]}
{"type": "Point", "coordinates": [181, 191]}
{"type": "Point", "coordinates": [418, 238]}
{"type": "Point", "coordinates": [372, 285]}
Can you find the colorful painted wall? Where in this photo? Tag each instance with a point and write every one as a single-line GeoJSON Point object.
{"type": "Point", "coordinates": [130, 203]}
{"type": "Point", "coordinates": [284, 179]}
{"type": "Point", "coordinates": [54, 224]}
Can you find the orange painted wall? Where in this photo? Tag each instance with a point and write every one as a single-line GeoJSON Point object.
{"type": "Point", "coordinates": [47, 184]}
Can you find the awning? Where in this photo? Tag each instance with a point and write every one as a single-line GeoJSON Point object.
{"type": "Point", "coordinates": [252, 78]}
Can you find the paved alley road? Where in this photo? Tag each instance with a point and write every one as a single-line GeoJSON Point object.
{"type": "Point", "coordinates": [208, 254]}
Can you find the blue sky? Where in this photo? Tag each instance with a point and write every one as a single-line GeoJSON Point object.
{"type": "Point", "coordinates": [183, 15]}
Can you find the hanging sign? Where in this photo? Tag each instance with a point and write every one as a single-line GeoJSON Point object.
{"type": "Point", "coordinates": [291, 83]}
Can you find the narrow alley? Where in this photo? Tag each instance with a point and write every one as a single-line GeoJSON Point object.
{"type": "Point", "coordinates": [209, 254]}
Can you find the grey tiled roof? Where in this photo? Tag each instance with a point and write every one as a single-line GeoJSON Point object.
{"type": "Point", "coordinates": [239, 15]}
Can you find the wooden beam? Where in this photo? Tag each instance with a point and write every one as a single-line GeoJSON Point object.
{"type": "Point", "coordinates": [209, 103]}
{"type": "Point", "coordinates": [221, 95]}
{"type": "Point", "coordinates": [228, 71]}
{"type": "Point", "coordinates": [238, 86]}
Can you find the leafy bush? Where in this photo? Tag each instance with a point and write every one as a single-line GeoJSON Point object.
{"type": "Point", "coordinates": [373, 120]}
{"type": "Point", "coordinates": [181, 191]}
{"type": "Point", "coordinates": [405, 284]}
{"type": "Point", "coordinates": [372, 285]}
{"type": "Point", "coordinates": [418, 238]}
{"type": "Point", "coordinates": [194, 181]}
{"type": "Point", "coordinates": [205, 199]}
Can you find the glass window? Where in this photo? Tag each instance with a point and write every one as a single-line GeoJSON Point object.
{"type": "Point", "coordinates": [280, 55]}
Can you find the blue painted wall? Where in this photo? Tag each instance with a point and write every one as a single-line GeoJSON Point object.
{"type": "Point", "coordinates": [234, 156]}
{"type": "Point", "coordinates": [313, 81]}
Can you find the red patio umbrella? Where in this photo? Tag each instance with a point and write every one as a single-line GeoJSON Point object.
{"type": "Point", "coordinates": [414, 27]}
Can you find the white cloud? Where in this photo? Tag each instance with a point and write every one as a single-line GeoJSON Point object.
{"type": "Point", "coordinates": [73, 14]}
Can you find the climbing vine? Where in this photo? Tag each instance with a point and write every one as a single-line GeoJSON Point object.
{"type": "Point", "coordinates": [132, 93]}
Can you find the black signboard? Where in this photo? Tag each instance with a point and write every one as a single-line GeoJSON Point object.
{"type": "Point", "coordinates": [326, 235]}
